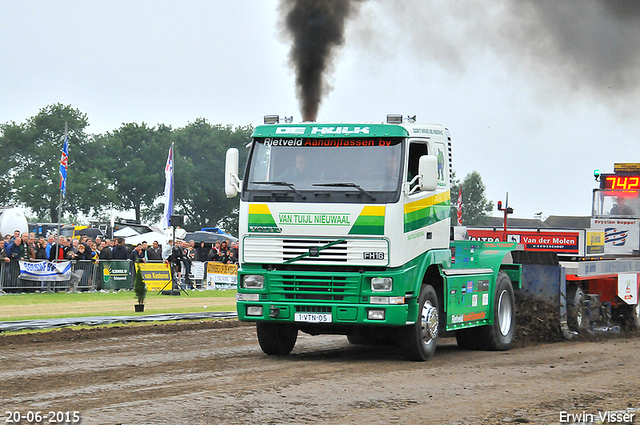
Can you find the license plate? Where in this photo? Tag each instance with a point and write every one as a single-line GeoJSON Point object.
{"type": "Point", "coordinates": [313, 317]}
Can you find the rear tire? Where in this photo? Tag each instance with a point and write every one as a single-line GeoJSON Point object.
{"type": "Point", "coordinates": [499, 335]}
{"type": "Point", "coordinates": [421, 338]}
{"type": "Point", "coordinates": [577, 317]}
{"type": "Point", "coordinates": [631, 317]}
{"type": "Point", "coordinates": [276, 339]}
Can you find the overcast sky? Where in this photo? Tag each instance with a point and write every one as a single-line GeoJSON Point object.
{"type": "Point", "coordinates": [536, 93]}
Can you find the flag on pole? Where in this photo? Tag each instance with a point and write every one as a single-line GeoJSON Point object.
{"type": "Point", "coordinates": [168, 190]}
{"type": "Point", "coordinates": [460, 206]}
{"type": "Point", "coordinates": [64, 165]}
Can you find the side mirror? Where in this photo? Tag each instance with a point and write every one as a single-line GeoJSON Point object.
{"type": "Point", "coordinates": [231, 180]}
{"type": "Point", "coordinates": [428, 170]}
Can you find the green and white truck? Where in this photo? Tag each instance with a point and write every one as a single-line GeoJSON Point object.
{"type": "Point", "coordinates": [345, 229]}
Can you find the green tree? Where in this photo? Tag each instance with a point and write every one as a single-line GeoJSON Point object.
{"type": "Point", "coordinates": [475, 207]}
{"type": "Point", "coordinates": [133, 162]}
{"type": "Point", "coordinates": [33, 150]}
{"type": "Point", "coordinates": [199, 173]}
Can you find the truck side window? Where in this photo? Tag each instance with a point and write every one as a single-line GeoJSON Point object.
{"type": "Point", "coordinates": [416, 150]}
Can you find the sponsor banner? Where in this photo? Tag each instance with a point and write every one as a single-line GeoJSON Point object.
{"type": "Point", "coordinates": [564, 243]}
{"type": "Point", "coordinates": [222, 276]}
{"type": "Point", "coordinates": [45, 271]}
{"type": "Point", "coordinates": [621, 235]}
{"type": "Point", "coordinates": [116, 274]}
{"type": "Point", "coordinates": [156, 276]}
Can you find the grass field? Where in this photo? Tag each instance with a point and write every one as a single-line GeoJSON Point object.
{"type": "Point", "coordinates": [86, 304]}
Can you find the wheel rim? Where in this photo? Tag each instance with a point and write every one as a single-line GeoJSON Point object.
{"type": "Point", "coordinates": [505, 312]}
{"type": "Point", "coordinates": [429, 323]}
{"type": "Point", "coordinates": [579, 309]}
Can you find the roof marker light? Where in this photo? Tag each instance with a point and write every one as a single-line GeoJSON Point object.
{"type": "Point", "coordinates": [394, 119]}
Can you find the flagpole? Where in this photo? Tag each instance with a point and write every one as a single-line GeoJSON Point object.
{"type": "Point", "coordinates": [66, 138]}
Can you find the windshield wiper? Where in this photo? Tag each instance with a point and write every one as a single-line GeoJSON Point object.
{"type": "Point", "coordinates": [289, 185]}
{"type": "Point", "coordinates": [361, 190]}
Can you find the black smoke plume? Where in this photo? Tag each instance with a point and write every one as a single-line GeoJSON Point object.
{"type": "Point", "coordinates": [316, 28]}
{"type": "Point", "coordinates": [565, 48]}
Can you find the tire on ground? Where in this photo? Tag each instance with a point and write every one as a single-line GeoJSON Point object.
{"type": "Point", "coordinates": [499, 335]}
{"type": "Point", "coordinates": [276, 338]}
{"type": "Point", "coordinates": [420, 339]}
{"type": "Point", "coordinates": [577, 317]}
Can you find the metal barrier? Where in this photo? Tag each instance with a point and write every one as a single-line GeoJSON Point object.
{"type": "Point", "coordinates": [84, 277]}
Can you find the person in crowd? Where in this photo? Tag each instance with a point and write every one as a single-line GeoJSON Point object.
{"type": "Point", "coordinates": [18, 250]}
{"type": "Point", "coordinates": [119, 252]}
{"type": "Point", "coordinates": [83, 254]}
{"type": "Point", "coordinates": [192, 251]}
{"type": "Point", "coordinates": [234, 248]}
{"type": "Point", "coordinates": [33, 243]}
{"type": "Point", "coordinates": [105, 251]}
{"type": "Point", "coordinates": [3, 254]}
{"type": "Point", "coordinates": [174, 258]}
{"type": "Point", "coordinates": [94, 251]}
{"type": "Point", "coordinates": [201, 252]}
{"type": "Point", "coordinates": [145, 246]}
{"type": "Point", "coordinates": [231, 258]}
{"type": "Point", "coordinates": [187, 250]}
{"type": "Point", "coordinates": [167, 250]}
{"type": "Point", "coordinates": [154, 252]}
{"type": "Point", "coordinates": [214, 253]}
{"type": "Point", "coordinates": [137, 255]}
{"type": "Point", "coordinates": [50, 242]}
{"type": "Point", "coordinates": [58, 251]}
{"type": "Point", "coordinates": [7, 241]}
{"type": "Point", "coordinates": [224, 252]}
{"type": "Point", "coordinates": [41, 252]}
{"type": "Point", "coordinates": [30, 249]}
{"type": "Point", "coordinates": [74, 246]}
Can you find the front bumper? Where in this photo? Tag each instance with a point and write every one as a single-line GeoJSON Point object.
{"type": "Point", "coordinates": [342, 314]}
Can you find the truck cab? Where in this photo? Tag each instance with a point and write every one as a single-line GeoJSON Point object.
{"type": "Point", "coordinates": [345, 229]}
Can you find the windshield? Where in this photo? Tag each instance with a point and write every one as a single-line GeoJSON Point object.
{"type": "Point", "coordinates": [616, 203]}
{"type": "Point", "coordinates": [364, 166]}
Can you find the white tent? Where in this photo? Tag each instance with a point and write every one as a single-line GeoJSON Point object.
{"type": "Point", "coordinates": [148, 237]}
{"type": "Point", "coordinates": [125, 232]}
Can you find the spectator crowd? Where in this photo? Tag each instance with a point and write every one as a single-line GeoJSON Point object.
{"type": "Point", "coordinates": [27, 247]}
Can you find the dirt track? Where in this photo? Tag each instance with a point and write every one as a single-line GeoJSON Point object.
{"type": "Point", "coordinates": [214, 372]}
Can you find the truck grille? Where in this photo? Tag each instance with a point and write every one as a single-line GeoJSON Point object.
{"type": "Point", "coordinates": [313, 287]}
{"type": "Point", "coordinates": [350, 252]}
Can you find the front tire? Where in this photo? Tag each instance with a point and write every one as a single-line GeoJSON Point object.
{"type": "Point", "coordinates": [421, 338]}
{"type": "Point", "coordinates": [276, 339]}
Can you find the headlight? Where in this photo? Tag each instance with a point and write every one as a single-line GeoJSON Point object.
{"type": "Point", "coordinates": [380, 284]}
{"type": "Point", "coordinates": [254, 310]}
{"type": "Point", "coordinates": [253, 281]}
{"type": "Point", "coordinates": [375, 314]}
